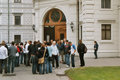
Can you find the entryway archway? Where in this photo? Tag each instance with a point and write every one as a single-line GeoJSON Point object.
{"type": "Point", "coordinates": [54, 25]}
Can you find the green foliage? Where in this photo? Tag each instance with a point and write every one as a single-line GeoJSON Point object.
{"type": "Point", "coordinates": [94, 73]}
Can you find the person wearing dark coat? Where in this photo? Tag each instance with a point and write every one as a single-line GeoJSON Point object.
{"type": "Point", "coordinates": [81, 51]}
{"type": "Point", "coordinates": [95, 49]}
{"type": "Point", "coordinates": [33, 53]}
{"type": "Point", "coordinates": [29, 53]}
{"type": "Point", "coordinates": [45, 64]}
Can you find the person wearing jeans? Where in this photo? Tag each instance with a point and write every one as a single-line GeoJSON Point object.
{"type": "Point", "coordinates": [3, 58]}
{"type": "Point", "coordinates": [73, 50]}
{"type": "Point", "coordinates": [11, 59]}
{"type": "Point", "coordinates": [67, 53]}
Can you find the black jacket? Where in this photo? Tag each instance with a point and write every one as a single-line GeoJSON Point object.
{"type": "Point", "coordinates": [30, 49]}
{"type": "Point", "coordinates": [96, 47]}
{"type": "Point", "coordinates": [41, 53]}
{"type": "Point", "coordinates": [81, 48]}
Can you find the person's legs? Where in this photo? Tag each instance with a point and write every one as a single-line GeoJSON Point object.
{"type": "Point", "coordinates": [47, 66]}
{"type": "Point", "coordinates": [95, 53]}
{"type": "Point", "coordinates": [13, 64]}
{"type": "Point", "coordinates": [0, 66]}
{"type": "Point", "coordinates": [57, 61]}
{"type": "Point", "coordinates": [44, 66]}
{"type": "Point", "coordinates": [73, 60]}
{"type": "Point", "coordinates": [82, 59]}
{"type": "Point", "coordinates": [40, 68]}
{"type": "Point", "coordinates": [24, 59]}
{"type": "Point", "coordinates": [5, 66]}
{"type": "Point", "coordinates": [33, 64]}
{"type": "Point", "coordinates": [50, 66]}
{"type": "Point", "coordinates": [53, 60]}
{"type": "Point", "coordinates": [9, 64]}
{"type": "Point", "coordinates": [68, 59]}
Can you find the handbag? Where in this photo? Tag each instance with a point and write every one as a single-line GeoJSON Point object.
{"type": "Point", "coordinates": [41, 60]}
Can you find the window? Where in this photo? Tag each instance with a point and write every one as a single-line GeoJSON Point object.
{"type": "Point", "coordinates": [106, 31]}
{"type": "Point", "coordinates": [17, 38]}
{"type": "Point", "coordinates": [17, 1]}
{"type": "Point", "coordinates": [105, 3]}
{"type": "Point", "coordinates": [17, 20]}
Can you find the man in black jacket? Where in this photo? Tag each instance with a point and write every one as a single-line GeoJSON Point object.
{"type": "Point", "coordinates": [33, 52]}
{"type": "Point", "coordinates": [29, 53]}
{"type": "Point", "coordinates": [81, 51]}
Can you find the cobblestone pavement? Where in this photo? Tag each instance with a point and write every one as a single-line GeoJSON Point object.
{"type": "Point", "coordinates": [24, 73]}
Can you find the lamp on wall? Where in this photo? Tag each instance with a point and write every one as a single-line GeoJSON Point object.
{"type": "Point", "coordinates": [33, 27]}
{"type": "Point", "coordinates": [72, 26]}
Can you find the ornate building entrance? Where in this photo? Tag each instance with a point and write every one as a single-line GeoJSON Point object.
{"type": "Point", "coordinates": [54, 25]}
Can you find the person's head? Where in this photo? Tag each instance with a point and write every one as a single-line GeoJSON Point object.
{"type": "Point", "coordinates": [30, 42]}
{"type": "Point", "coordinates": [67, 42]}
{"type": "Point", "coordinates": [70, 43]}
{"type": "Point", "coordinates": [64, 40]}
{"type": "Point", "coordinates": [42, 45]}
{"type": "Point", "coordinates": [21, 44]}
{"type": "Point", "coordinates": [35, 42]}
{"type": "Point", "coordinates": [3, 43]}
{"type": "Point", "coordinates": [61, 41]}
{"type": "Point", "coordinates": [80, 41]}
{"type": "Point", "coordinates": [13, 43]}
{"type": "Point", "coordinates": [17, 44]}
{"type": "Point", "coordinates": [54, 43]}
{"type": "Point", "coordinates": [95, 42]}
{"type": "Point", "coordinates": [25, 42]}
{"type": "Point", "coordinates": [51, 41]}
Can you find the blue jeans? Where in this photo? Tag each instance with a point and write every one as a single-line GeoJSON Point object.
{"type": "Point", "coordinates": [17, 61]}
{"type": "Point", "coordinates": [34, 64]}
{"type": "Point", "coordinates": [21, 58]}
{"type": "Point", "coordinates": [11, 64]}
{"type": "Point", "coordinates": [50, 66]}
{"type": "Point", "coordinates": [73, 60]}
{"type": "Point", "coordinates": [67, 59]}
{"type": "Point", "coordinates": [44, 67]}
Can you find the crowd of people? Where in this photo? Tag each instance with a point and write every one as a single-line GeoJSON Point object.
{"type": "Point", "coordinates": [43, 57]}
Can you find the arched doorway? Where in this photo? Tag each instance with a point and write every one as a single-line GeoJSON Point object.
{"type": "Point", "coordinates": [54, 25]}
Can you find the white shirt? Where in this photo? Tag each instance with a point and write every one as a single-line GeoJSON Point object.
{"type": "Point", "coordinates": [3, 52]}
{"type": "Point", "coordinates": [54, 50]}
{"type": "Point", "coordinates": [72, 50]}
{"type": "Point", "coordinates": [26, 48]}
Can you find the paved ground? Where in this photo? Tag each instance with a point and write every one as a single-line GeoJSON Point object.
{"type": "Point", "coordinates": [24, 73]}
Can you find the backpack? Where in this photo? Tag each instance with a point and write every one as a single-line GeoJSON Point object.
{"type": "Point", "coordinates": [85, 51]}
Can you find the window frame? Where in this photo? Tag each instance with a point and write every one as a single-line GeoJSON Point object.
{"type": "Point", "coordinates": [17, 1]}
{"type": "Point", "coordinates": [103, 6]}
{"type": "Point", "coordinates": [106, 32]}
{"type": "Point", "coordinates": [17, 14]}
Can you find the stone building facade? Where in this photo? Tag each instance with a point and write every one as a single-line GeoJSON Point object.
{"type": "Point", "coordinates": [99, 20]}
{"type": "Point", "coordinates": [20, 20]}
{"type": "Point", "coordinates": [58, 19]}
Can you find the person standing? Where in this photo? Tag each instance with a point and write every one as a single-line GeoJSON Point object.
{"type": "Point", "coordinates": [33, 53]}
{"type": "Point", "coordinates": [43, 53]}
{"type": "Point", "coordinates": [81, 51]}
{"type": "Point", "coordinates": [3, 58]}
{"type": "Point", "coordinates": [67, 53]}
{"type": "Point", "coordinates": [11, 60]}
{"type": "Point", "coordinates": [29, 53]}
{"type": "Point", "coordinates": [55, 54]}
{"type": "Point", "coordinates": [17, 55]}
{"type": "Point", "coordinates": [50, 57]}
{"type": "Point", "coordinates": [95, 49]}
{"type": "Point", "coordinates": [73, 50]}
